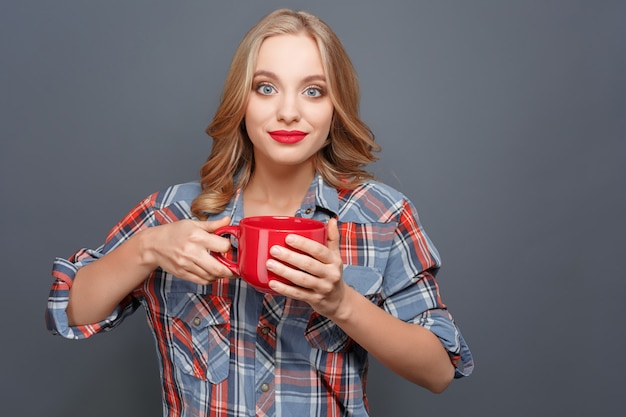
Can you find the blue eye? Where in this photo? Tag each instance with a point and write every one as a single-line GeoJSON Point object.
{"type": "Point", "coordinates": [313, 92]}
{"type": "Point", "coordinates": [265, 89]}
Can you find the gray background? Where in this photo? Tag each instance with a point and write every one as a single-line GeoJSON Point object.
{"type": "Point", "coordinates": [504, 121]}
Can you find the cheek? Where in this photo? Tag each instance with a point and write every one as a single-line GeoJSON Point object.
{"type": "Point", "coordinates": [253, 116]}
{"type": "Point", "coordinates": [322, 116]}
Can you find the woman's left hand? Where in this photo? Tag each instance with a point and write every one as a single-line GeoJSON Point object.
{"type": "Point", "coordinates": [317, 279]}
{"type": "Point", "coordinates": [316, 273]}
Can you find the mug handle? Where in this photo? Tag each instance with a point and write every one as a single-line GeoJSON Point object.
{"type": "Point", "coordinates": [234, 231]}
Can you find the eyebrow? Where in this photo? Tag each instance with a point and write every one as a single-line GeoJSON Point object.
{"type": "Point", "coordinates": [306, 79]}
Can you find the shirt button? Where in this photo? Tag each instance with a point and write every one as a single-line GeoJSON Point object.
{"type": "Point", "coordinates": [265, 330]}
{"type": "Point", "coordinates": [265, 387]}
{"type": "Point", "coordinates": [197, 321]}
{"type": "Point", "coordinates": [308, 211]}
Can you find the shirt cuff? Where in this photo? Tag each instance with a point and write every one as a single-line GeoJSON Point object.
{"type": "Point", "coordinates": [441, 323]}
{"type": "Point", "coordinates": [64, 272]}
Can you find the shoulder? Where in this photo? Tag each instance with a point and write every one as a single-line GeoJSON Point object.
{"type": "Point", "coordinates": [165, 206]}
{"type": "Point", "coordinates": [180, 193]}
{"type": "Point", "coordinates": [372, 201]}
{"type": "Point", "coordinates": [169, 204]}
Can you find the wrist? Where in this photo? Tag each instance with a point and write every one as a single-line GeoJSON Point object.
{"type": "Point", "coordinates": [146, 247]}
{"type": "Point", "coordinates": [346, 307]}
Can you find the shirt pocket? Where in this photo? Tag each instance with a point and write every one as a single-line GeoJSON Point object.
{"type": "Point", "coordinates": [324, 334]}
{"type": "Point", "coordinates": [200, 334]}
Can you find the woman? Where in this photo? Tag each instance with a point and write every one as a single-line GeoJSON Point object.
{"type": "Point", "coordinates": [287, 140]}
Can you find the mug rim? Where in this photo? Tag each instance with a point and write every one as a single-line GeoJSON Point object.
{"type": "Point", "coordinates": [288, 221]}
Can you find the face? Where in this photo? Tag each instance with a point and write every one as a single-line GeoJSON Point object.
{"type": "Point", "coordinates": [289, 111]}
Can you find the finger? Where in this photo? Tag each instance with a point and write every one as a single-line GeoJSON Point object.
{"type": "Point", "coordinates": [215, 243]}
{"type": "Point", "coordinates": [189, 270]}
{"type": "Point", "coordinates": [297, 278]}
{"type": "Point", "coordinates": [211, 266]}
{"type": "Point", "coordinates": [310, 247]}
{"type": "Point", "coordinates": [205, 270]}
{"type": "Point", "coordinates": [213, 225]}
{"type": "Point", "coordinates": [199, 279]}
{"type": "Point", "coordinates": [324, 253]}
{"type": "Point", "coordinates": [332, 240]}
{"type": "Point", "coordinates": [315, 280]}
{"type": "Point", "coordinates": [202, 235]}
{"type": "Point", "coordinates": [298, 261]}
{"type": "Point", "coordinates": [194, 257]}
{"type": "Point", "coordinates": [291, 291]}
{"type": "Point", "coordinates": [195, 232]}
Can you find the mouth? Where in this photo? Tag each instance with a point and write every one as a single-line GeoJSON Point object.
{"type": "Point", "coordinates": [287, 136]}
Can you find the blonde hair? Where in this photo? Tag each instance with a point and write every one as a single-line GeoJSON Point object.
{"type": "Point", "coordinates": [351, 143]}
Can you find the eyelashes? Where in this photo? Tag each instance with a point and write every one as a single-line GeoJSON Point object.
{"type": "Point", "coordinates": [267, 89]}
{"type": "Point", "coordinates": [314, 91]}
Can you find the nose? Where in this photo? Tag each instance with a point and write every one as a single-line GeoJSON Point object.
{"type": "Point", "coordinates": [288, 110]}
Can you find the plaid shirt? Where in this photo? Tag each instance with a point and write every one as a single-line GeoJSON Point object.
{"type": "Point", "coordinates": [228, 350]}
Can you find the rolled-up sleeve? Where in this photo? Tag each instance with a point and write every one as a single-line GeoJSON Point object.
{"type": "Point", "coordinates": [64, 271]}
{"type": "Point", "coordinates": [411, 292]}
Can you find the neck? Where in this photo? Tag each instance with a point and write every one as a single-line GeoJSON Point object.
{"type": "Point", "coordinates": [277, 192]}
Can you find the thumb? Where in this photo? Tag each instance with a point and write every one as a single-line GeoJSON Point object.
{"type": "Point", "coordinates": [332, 240]}
{"type": "Point", "coordinates": [213, 225]}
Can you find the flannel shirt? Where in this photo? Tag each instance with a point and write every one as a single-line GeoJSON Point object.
{"type": "Point", "coordinates": [226, 350]}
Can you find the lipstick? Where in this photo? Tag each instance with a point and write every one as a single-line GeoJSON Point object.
{"type": "Point", "coordinates": [287, 137]}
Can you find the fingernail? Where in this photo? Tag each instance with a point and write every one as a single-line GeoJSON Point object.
{"type": "Point", "coordinates": [290, 239]}
{"type": "Point", "coordinates": [271, 264]}
{"type": "Point", "coordinates": [275, 285]}
{"type": "Point", "coordinates": [275, 250]}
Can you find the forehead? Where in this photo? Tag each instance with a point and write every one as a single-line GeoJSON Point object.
{"type": "Point", "coordinates": [297, 53]}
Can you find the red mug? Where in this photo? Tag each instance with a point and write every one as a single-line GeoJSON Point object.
{"type": "Point", "coordinates": [255, 236]}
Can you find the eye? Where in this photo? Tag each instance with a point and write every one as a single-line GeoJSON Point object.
{"type": "Point", "coordinates": [314, 91]}
{"type": "Point", "coordinates": [265, 89]}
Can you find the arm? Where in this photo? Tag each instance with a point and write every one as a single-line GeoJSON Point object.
{"type": "Point", "coordinates": [409, 350]}
{"type": "Point", "coordinates": [180, 248]}
{"type": "Point", "coordinates": [389, 339]}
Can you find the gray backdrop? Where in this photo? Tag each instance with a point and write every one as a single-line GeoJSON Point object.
{"type": "Point", "coordinates": [504, 121]}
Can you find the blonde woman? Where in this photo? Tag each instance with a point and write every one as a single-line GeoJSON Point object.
{"type": "Point", "coordinates": [287, 140]}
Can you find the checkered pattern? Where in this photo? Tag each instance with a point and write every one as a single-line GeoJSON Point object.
{"type": "Point", "coordinates": [226, 350]}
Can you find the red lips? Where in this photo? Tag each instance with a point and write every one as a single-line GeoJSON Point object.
{"type": "Point", "coordinates": [287, 136]}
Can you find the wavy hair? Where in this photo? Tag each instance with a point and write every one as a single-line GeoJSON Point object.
{"type": "Point", "coordinates": [350, 145]}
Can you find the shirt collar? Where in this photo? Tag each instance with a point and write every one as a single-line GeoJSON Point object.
{"type": "Point", "coordinates": [321, 202]}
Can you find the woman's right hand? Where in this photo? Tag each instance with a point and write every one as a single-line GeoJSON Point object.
{"type": "Point", "coordinates": [182, 249]}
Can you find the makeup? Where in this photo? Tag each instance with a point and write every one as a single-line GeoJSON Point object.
{"type": "Point", "coordinates": [287, 137]}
